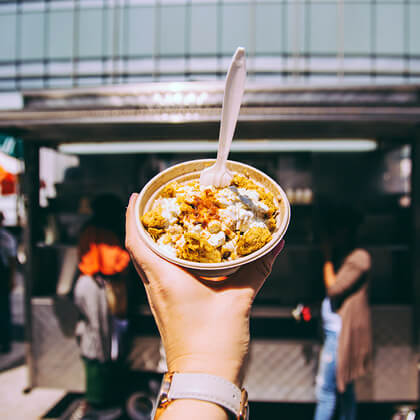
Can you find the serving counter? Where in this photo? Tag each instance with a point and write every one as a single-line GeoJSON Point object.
{"type": "Point", "coordinates": [283, 362]}
{"type": "Point", "coordinates": [280, 368]}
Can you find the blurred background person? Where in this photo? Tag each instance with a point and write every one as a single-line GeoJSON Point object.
{"type": "Point", "coordinates": [8, 251]}
{"type": "Point", "coordinates": [346, 352]}
{"type": "Point", "coordinates": [100, 295]}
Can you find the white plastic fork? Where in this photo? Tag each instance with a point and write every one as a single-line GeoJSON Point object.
{"type": "Point", "coordinates": [218, 174]}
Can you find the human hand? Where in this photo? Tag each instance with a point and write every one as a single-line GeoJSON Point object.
{"type": "Point", "coordinates": [203, 328]}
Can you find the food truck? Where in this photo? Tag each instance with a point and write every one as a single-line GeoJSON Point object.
{"type": "Point", "coordinates": [356, 145]}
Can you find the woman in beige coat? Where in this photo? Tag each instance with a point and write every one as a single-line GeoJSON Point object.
{"type": "Point", "coordinates": [346, 352]}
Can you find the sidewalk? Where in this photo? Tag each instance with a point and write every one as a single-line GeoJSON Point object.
{"type": "Point", "coordinates": [15, 405]}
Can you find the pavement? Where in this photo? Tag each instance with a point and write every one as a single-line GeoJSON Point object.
{"type": "Point", "coordinates": [16, 405]}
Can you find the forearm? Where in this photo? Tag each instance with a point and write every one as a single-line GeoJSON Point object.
{"type": "Point", "coordinates": [194, 409]}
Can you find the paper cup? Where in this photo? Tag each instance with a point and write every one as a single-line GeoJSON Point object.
{"type": "Point", "coordinates": [188, 171]}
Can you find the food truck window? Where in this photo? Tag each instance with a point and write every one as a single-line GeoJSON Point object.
{"type": "Point", "coordinates": [377, 183]}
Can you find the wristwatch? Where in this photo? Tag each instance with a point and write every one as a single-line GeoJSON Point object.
{"type": "Point", "coordinates": [200, 386]}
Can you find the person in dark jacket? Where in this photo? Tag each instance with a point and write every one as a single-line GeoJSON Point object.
{"type": "Point", "coordinates": [347, 349]}
{"type": "Point", "coordinates": [8, 250]}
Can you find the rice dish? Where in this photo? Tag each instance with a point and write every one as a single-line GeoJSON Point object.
{"type": "Point", "coordinates": [212, 225]}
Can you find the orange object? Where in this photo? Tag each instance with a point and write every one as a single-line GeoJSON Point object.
{"type": "Point", "coordinates": [7, 182]}
{"type": "Point", "coordinates": [101, 252]}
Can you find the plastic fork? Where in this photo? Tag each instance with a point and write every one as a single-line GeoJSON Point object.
{"type": "Point", "coordinates": [218, 174]}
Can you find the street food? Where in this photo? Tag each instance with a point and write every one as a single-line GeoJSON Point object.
{"type": "Point", "coordinates": [212, 225]}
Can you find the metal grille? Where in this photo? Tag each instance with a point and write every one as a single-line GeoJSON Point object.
{"type": "Point", "coordinates": [277, 370]}
{"type": "Point", "coordinates": [57, 362]}
{"type": "Point", "coordinates": [281, 371]}
{"type": "Point", "coordinates": [64, 43]}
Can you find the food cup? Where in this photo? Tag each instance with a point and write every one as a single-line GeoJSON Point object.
{"type": "Point", "coordinates": [188, 171]}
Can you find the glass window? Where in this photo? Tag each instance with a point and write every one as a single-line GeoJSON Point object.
{"type": "Point", "coordinates": [323, 28]}
{"type": "Point", "coordinates": [295, 26]}
{"type": "Point", "coordinates": [235, 27]}
{"type": "Point", "coordinates": [414, 40]}
{"type": "Point", "coordinates": [357, 38]}
{"type": "Point", "coordinates": [60, 34]}
{"type": "Point", "coordinates": [172, 30]}
{"type": "Point", "coordinates": [269, 28]}
{"type": "Point", "coordinates": [8, 31]}
{"type": "Point", "coordinates": [203, 38]}
{"type": "Point", "coordinates": [33, 27]}
{"type": "Point", "coordinates": [141, 31]}
{"type": "Point", "coordinates": [90, 33]}
{"type": "Point", "coordinates": [108, 31]}
{"type": "Point", "coordinates": [389, 29]}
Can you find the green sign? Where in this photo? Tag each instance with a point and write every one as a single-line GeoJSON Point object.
{"type": "Point", "coordinates": [11, 146]}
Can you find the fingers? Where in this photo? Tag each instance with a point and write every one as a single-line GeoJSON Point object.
{"type": "Point", "coordinates": [149, 266]}
{"type": "Point", "coordinates": [140, 253]}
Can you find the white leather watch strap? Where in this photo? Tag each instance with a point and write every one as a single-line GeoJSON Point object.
{"type": "Point", "coordinates": [205, 387]}
{"type": "Point", "coordinates": [200, 386]}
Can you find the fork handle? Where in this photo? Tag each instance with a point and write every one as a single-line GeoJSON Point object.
{"type": "Point", "coordinates": [234, 89]}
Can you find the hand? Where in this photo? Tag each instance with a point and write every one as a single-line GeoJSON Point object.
{"type": "Point", "coordinates": [203, 328]}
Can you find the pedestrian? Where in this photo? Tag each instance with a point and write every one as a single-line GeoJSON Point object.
{"type": "Point", "coordinates": [8, 251]}
{"type": "Point", "coordinates": [100, 295]}
{"type": "Point", "coordinates": [346, 352]}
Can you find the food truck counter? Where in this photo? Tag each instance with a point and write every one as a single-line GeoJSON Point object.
{"type": "Point", "coordinates": [281, 367]}
{"type": "Point", "coordinates": [283, 353]}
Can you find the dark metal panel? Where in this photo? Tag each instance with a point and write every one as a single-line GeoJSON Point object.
{"type": "Point", "coordinates": [31, 194]}
{"type": "Point", "coordinates": [415, 206]}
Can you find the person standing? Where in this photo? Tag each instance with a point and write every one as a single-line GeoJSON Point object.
{"type": "Point", "coordinates": [8, 250]}
{"type": "Point", "coordinates": [347, 349]}
{"type": "Point", "coordinates": [100, 295]}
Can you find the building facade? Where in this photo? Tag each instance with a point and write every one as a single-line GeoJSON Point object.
{"type": "Point", "coordinates": [65, 43]}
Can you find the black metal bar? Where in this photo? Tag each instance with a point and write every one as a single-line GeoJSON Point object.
{"type": "Point", "coordinates": [18, 42]}
{"type": "Point", "coordinates": [406, 28]}
{"type": "Point", "coordinates": [31, 197]}
{"type": "Point", "coordinates": [76, 40]}
{"type": "Point", "coordinates": [46, 61]}
{"type": "Point", "coordinates": [204, 55]}
{"type": "Point", "coordinates": [115, 41]}
{"type": "Point", "coordinates": [159, 74]}
{"type": "Point", "coordinates": [284, 32]}
{"type": "Point", "coordinates": [415, 248]}
{"type": "Point", "coordinates": [307, 38]}
{"type": "Point", "coordinates": [373, 49]}
{"type": "Point", "coordinates": [126, 40]}
{"type": "Point", "coordinates": [156, 49]}
{"type": "Point", "coordinates": [187, 39]}
{"type": "Point", "coordinates": [252, 38]}
{"type": "Point", "coordinates": [219, 32]}
{"type": "Point", "coordinates": [104, 39]}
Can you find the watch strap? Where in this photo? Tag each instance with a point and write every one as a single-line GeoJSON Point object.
{"type": "Point", "coordinates": [205, 387]}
